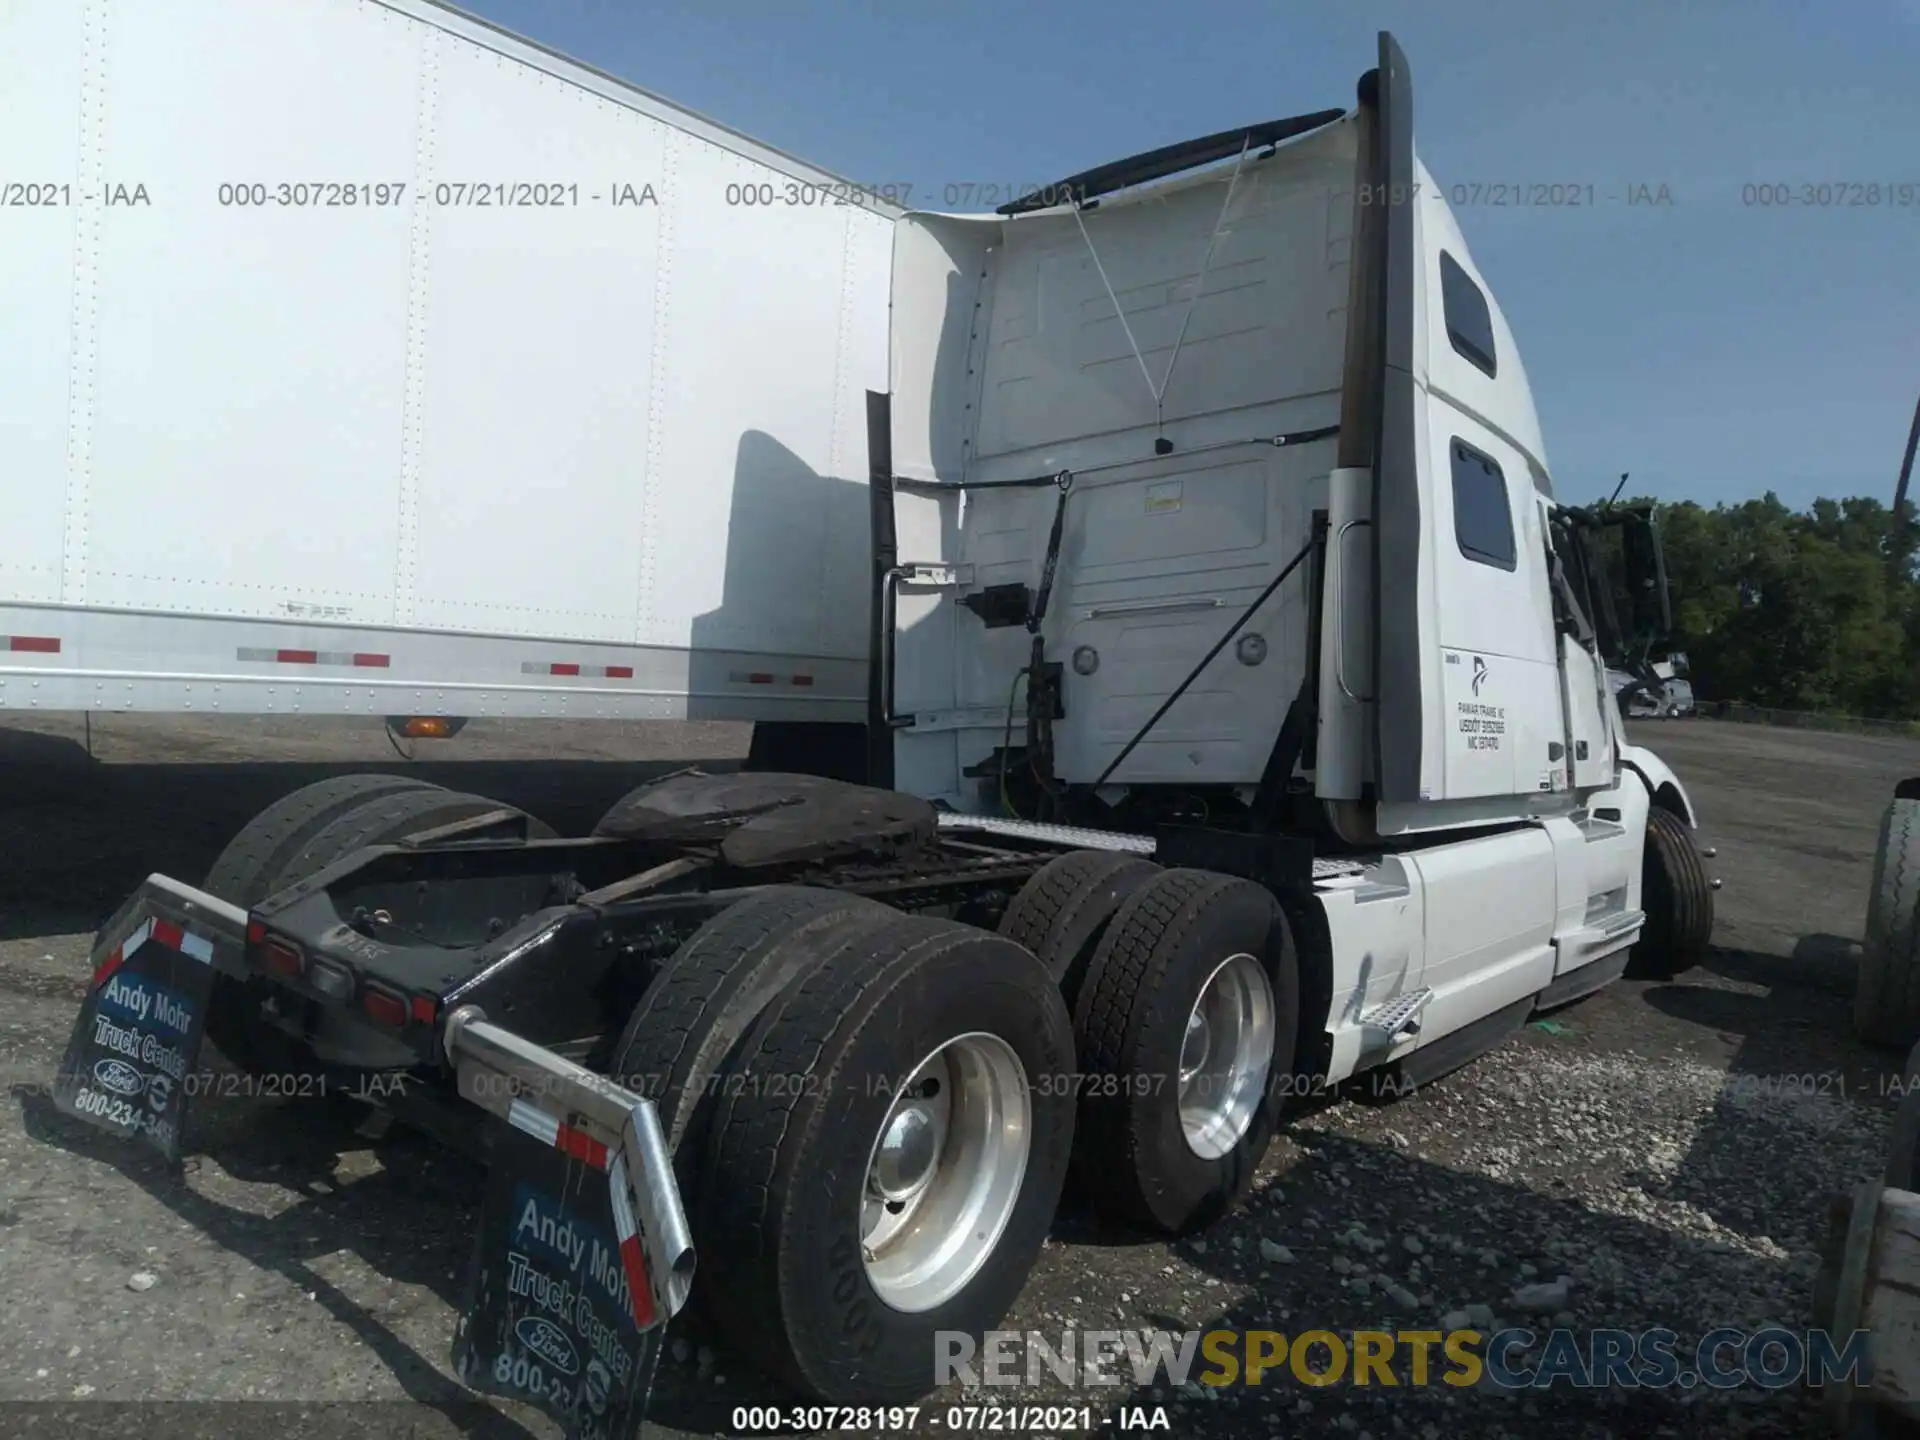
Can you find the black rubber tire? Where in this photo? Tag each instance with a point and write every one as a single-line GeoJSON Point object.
{"type": "Point", "coordinates": [385, 819]}
{"type": "Point", "coordinates": [245, 870]}
{"type": "Point", "coordinates": [701, 1005]}
{"type": "Point", "coordinates": [1886, 996]}
{"type": "Point", "coordinates": [1062, 911]}
{"type": "Point", "coordinates": [1131, 1155]}
{"type": "Point", "coordinates": [244, 874]}
{"type": "Point", "coordinates": [1677, 899]}
{"type": "Point", "coordinates": [790, 1144]}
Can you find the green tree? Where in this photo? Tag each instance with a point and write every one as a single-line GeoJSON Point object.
{"type": "Point", "coordinates": [1803, 610]}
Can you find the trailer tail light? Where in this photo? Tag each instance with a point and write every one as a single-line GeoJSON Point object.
{"type": "Point", "coordinates": [285, 958]}
{"type": "Point", "coordinates": [256, 933]}
{"type": "Point", "coordinates": [331, 980]}
{"type": "Point", "coordinates": [384, 1007]}
{"type": "Point", "coordinates": [425, 1007]}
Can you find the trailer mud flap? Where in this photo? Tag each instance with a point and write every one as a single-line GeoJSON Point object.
{"type": "Point", "coordinates": [130, 1064]}
{"type": "Point", "coordinates": [561, 1312]}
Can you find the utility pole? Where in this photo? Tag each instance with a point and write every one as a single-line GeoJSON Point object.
{"type": "Point", "coordinates": [1898, 546]}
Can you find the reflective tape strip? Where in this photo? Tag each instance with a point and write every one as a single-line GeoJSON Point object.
{"type": "Point", "coordinates": [353, 659]}
{"type": "Point", "coordinates": [591, 672]}
{"type": "Point", "coordinates": [117, 957]}
{"type": "Point", "coordinates": [165, 932]}
{"type": "Point", "coordinates": [178, 937]}
{"type": "Point", "coordinates": [627, 1230]}
{"type": "Point", "coordinates": [31, 644]}
{"type": "Point", "coordinates": [765, 677]}
{"type": "Point", "coordinates": [545, 1128]}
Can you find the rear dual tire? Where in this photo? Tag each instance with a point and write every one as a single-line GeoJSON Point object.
{"type": "Point", "coordinates": [1187, 1025]}
{"type": "Point", "coordinates": [686, 1031]}
{"type": "Point", "coordinates": [878, 1146]}
{"type": "Point", "coordinates": [1185, 994]}
{"type": "Point", "coordinates": [1063, 911]}
{"type": "Point", "coordinates": [847, 1210]}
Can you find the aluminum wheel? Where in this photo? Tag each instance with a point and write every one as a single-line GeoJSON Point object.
{"type": "Point", "coordinates": [945, 1171]}
{"type": "Point", "coordinates": [1225, 1056]}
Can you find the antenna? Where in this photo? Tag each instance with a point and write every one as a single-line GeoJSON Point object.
{"type": "Point", "coordinates": [1616, 491]}
{"type": "Point", "coordinates": [1899, 527]}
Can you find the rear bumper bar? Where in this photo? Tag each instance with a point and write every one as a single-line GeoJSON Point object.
{"type": "Point", "coordinates": [131, 1062]}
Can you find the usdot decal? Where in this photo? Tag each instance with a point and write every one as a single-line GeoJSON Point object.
{"type": "Point", "coordinates": [1485, 726]}
{"type": "Point", "coordinates": [119, 1077]}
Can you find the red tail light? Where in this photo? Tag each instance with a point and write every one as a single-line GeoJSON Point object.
{"type": "Point", "coordinates": [285, 958]}
{"type": "Point", "coordinates": [384, 1007]}
{"type": "Point", "coordinates": [424, 1008]}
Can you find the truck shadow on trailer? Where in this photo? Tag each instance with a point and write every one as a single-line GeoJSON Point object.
{"type": "Point", "coordinates": [795, 581]}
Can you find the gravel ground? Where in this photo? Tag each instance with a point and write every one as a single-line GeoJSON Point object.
{"type": "Point", "coordinates": [1667, 1149]}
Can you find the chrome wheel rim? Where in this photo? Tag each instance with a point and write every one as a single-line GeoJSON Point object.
{"type": "Point", "coordinates": [1225, 1055]}
{"type": "Point", "coordinates": [945, 1171]}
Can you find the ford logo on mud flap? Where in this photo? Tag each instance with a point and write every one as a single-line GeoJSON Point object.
{"type": "Point", "coordinates": [119, 1077]}
{"type": "Point", "coordinates": [549, 1342]}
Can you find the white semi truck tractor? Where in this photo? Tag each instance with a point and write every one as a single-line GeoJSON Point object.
{"type": "Point", "coordinates": [1238, 724]}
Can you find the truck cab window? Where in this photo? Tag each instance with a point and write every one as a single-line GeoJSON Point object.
{"type": "Point", "coordinates": [1469, 326]}
{"type": "Point", "coordinates": [1482, 518]}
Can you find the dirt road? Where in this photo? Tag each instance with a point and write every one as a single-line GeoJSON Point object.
{"type": "Point", "coordinates": [1666, 1148]}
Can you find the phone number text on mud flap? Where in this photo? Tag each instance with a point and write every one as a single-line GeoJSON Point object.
{"type": "Point", "coordinates": [116, 1111]}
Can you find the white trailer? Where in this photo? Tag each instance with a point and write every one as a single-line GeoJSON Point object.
{"type": "Point", "coordinates": [357, 357]}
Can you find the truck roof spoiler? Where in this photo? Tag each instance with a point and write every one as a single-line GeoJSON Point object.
{"type": "Point", "coordinates": [1167, 160]}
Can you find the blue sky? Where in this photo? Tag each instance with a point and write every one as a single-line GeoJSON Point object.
{"type": "Point", "coordinates": [1713, 348]}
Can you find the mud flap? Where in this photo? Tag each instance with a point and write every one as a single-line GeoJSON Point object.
{"type": "Point", "coordinates": [130, 1064]}
{"type": "Point", "coordinates": [569, 1287]}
